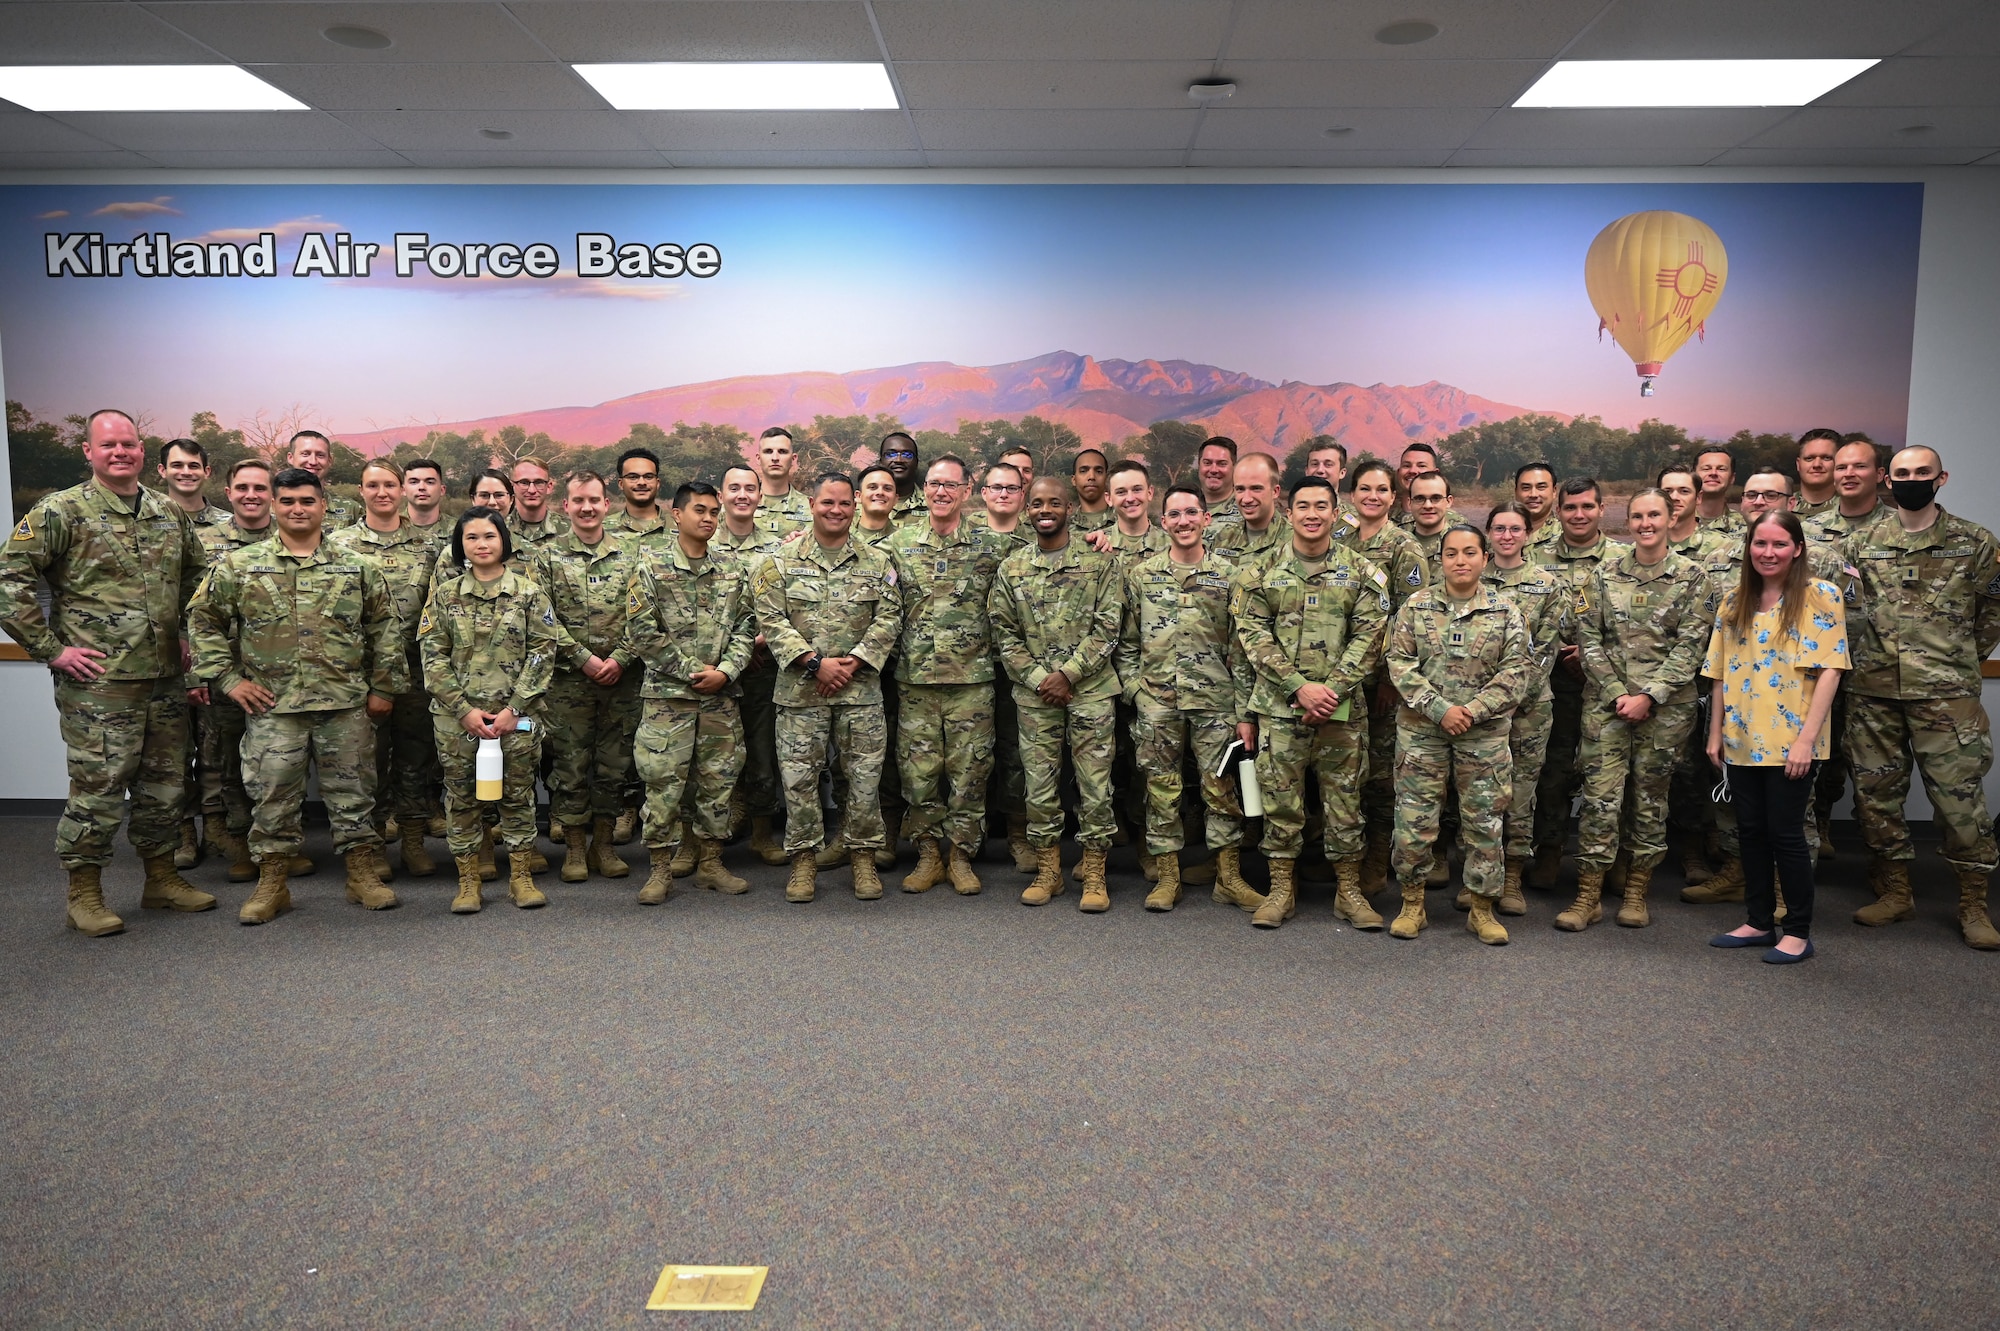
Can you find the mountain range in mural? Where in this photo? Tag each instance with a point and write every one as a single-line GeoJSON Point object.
{"type": "Point", "coordinates": [1102, 400]}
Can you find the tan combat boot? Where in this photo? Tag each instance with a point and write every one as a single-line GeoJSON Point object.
{"type": "Point", "coordinates": [1695, 868]}
{"type": "Point", "coordinates": [166, 890]}
{"type": "Point", "coordinates": [1167, 871]}
{"type": "Point", "coordinates": [469, 878]}
{"type": "Point", "coordinates": [272, 894]}
{"type": "Point", "coordinates": [1621, 867]}
{"type": "Point", "coordinates": [300, 866]}
{"type": "Point", "coordinates": [709, 872]}
{"type": "Point", "coordinates": [885, 854]}
{"type": "Point", "coordinates": [521, 889]}
{"type": "Point", "coordinates": [659, 877]}
{"type": "Point", "coordinates": [417, 861]}
{"type": "Point", "coordinates": [532, 856]}
{"type": "Point", "coordinates": [805, 868]}
{"type": "Point", "coordinates": [1348, 903]}
{"type": "Point", "coordinates": [834, 853]}
{"type": "Point", "coordinates": [1512, 902]}
{"type": "Point", "coordinates": [1725, 884]}
{"type": "Point", "coordinates": [1546, 871]}
{"type": "Point", "coordinates": [958, 867]}
{"type": "Point", "coordinates": [242, 869]}
{"type": "Point", "coordinates": [1026, 858]}
{"type": "Point", "coordinates": [364, 885]}
{"type": "Point", "coordinates": [1480, 923]}
{"type": "Point", "coordinates": [1090, 877]}
{"type": "Point", "coordinates": [379, 853]}
{"type": "Point", "coordinates": [188, 854]}
{"type": "Point", "coordinates": [1875, 870]}
{"type": "Point", "coordinates": [1463, 901]}
{"type": "Point", "coordinates": [1585, 910]}
{"type": "Point", "coordinates": [764, 842]}
{"type": "Point", "coordinates": [603, 835]}
{"type": "Point", "coordinates": [87, 912]}
{"type": "Point", "coordinates": [576, 855]}
{"type": "Point", "coordinates": [1895, 903]}
{"type": "Point", "coordinates": [1412, 919]}
{"type": "Point", "coordinates": [1283, 900]}
{"type": "Point", "coordinates": [558, 833]}
{"type": "Point", "coordinates": [1632, 912]}
{"type": "Point", "coordinates": [1049, 882]}
{"type": "Point", "coordinates": [930, 867]}
{"type": "Point", "coordinates": [1231, 888]}
{"type": "Point", "coordinates": [489, 869]}
{"type": "Point", "coordinates": [436, 827]}
{"type": "Point", "coordinates": [739, 816]}
{"type": "Point", "coordinates": [1375, 862]}
{"type": "Point", "coordinates": [623, 828]}
{"type": "Point", "coordinates": [867, 881]}
{"type": "Point", "coordinates": [1440, 873]}
{"type": "Point", "coordinates": [1149, 867]}
{"type": "Point", "coordinates": [1201, 873]}
{"type": "Point", "coordinates": [1973, 922]}
{"type": "Point", "coordinates": [687, 854]}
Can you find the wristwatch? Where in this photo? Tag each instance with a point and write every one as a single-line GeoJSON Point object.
{"type": "Point", "coordinates": [812, 665]}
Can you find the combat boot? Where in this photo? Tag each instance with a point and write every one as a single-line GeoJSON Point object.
{"type": "Point", "coordinates": [1725, 884]}
{"type": "Point", "coordinates": [885, 854]}
{"type": "Point", "coordinates": [558, 833]}
{"type": "Point", "coordinates": [87, 912]}
{"type": "Point", "coordinates": [805, 868]}
{"type": "Point", "coordinates": [1231, 888]}
{"type": "Point", "coordinates": [833, 853]}
{"type": "Point", "coordinates": [1695, 868]}
{"type": "Point", "coordinates": [532, 857]}
{"type": "Point", "coordinates": [1621, 868]}
{"type": "Point", "coordinates": [188, 854]}
{"type": "Point", "coordinates": [1511, 900]}
{"type": "Point", "coordinates": [1440, 874]}
{"type": "Point", "coordinates": [1876, 882]}
{"type": "Point", "coordinates": [930, 867]}
{"type": "Point", "coordinates": [1048, 882]}
{"type": "Point", "coordinates": [1090, 877]}
{"type": "Point", "coordinates": [1200, 874]}
{"type": "Point", "coordinates": [659, 877]}
{"type": "Point", "coordinates": [1283, 900]}
{"type": "Point", "coordinates": [1463, 901]}
{"type": "Point", "coordinates": [623, 828]}
{"type": "Point", "coordinates": [211, 836]}
{"type": "Point", "coordinates": [242, 869]}
{"type": "Point", "coordinates": [436, 827]}
{"type": "Point", "coordinates": [1375, 862]}
{"type": "Point", "coordinates": [1026, 858]}
{"type": "Point", "coordinates": [272, 894]}
{"type": "Point", "coordinates": [166, 890]}
{"type": "Point", "coordinates": [1547, 869]}
{"type": "Point", "coordinates": [764, 842]}
{"type": "Point", "coordinates": [867, 882]}
{"type": "Point", "coordinates": [1480, 923]}
{"type": "Point", "coordinates": [489, 869]}
{"type": "Point", "coordinates": [521, 889]}
{"type": "Point", "coordinates": [739, 817]}
{"type": "Point", "coordinates": [1632, 913]}
{"type": "Point", "coordinates": [378, 854]}
{"type": "Point", "coordinates": [686, 854]}
{"type": "Point", "coordinates": [1348, 903]}
{"type": "Point", "coordinates": [958, 867]}
{"type": "Point", "coordinates": [300, 866]}
{"type": "Point", "coordinates": [709, 873]}
{"type": "Point", "coordinates": [1894, 904]}
{"type": "Point", "coordinates": [469, 878]}
{"type": "Point", "coordinates": [1585, 910]}
{"type": "Point", "coordinates": [364, 885]}
{"type": "Point", "coordinates": [1413, 919]}
{"type": "Point", "coordinates": [603, 835]}
{"type": "Point", "coordinates": [1149, 866]}
{"type": "Point", "coordinates": [417, 861]}
{"type": "Point", "coordinates": [1973, 921]}
{"type": "Point", "coordinates": [1168, 894]}
{"type": "Point", "coordinates": [576, 858]}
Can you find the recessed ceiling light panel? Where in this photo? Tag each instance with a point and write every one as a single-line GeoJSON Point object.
{"type": "Point", "coordinates": [1689, 82]}
{"type": "Point", "coordinates": [141, 88]}
{"type": "Point", "coordinates": [743, 86]}
{"type": "Point", "coordinates": [1211, 90]}
{"type": "Point", "coordinates": [360, 39]}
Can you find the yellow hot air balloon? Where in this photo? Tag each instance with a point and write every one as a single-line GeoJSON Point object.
{"type": "Point", "coordinates": [1654, 278]}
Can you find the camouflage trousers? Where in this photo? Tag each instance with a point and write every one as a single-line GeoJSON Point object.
{"type": "Point", "coordinates": [889, 792]}
{"type": "Point", "coordinates": [278, 749]}
{"type": "Point", "coordinates": [1528, 737]}
{"type": "Point", "coordinates": [759, 783]}
{"type": "Point", "coordinates": [219, 773]}
{"type": "Point", "coordinates": [123, 736]}
{"type": "Point", "coordinates": [1613, 755]}
{"type": "Point", "coordinates": [1289, 749]}
{"type": "Point", "coordinates": [1950, 743]}
{"type": "Point", "coordinates": [1009, 793]}
{"type": "Point", "coordinates": [1561, 777]}
{"type": "Point", "coordinates": [689, 754]}
{"type": "Point", "coordinates": [1378, 790]}
{"type": "Point", "coordinates": [1480, 766]}
{"type": "Point", "coordinates": [464, 814]}
{"type": "Point", "coordinates": [405, 760]}
{"type": "Point", "coordinates": [590, 730]}
{"type": "Point", "coordinates": [1161, 737]}
{"type": "Point", "coordinates": [945, 750]}
{"type": "Point", "coordinates": [855, 737]}
{"type": "Point", "coordinates": [1085, 730]}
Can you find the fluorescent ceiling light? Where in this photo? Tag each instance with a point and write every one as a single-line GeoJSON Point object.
{"type": "Point", "coordinates": [1690, 82]}
{"type": "Point", "coordinates": [743, 86]}
{"type": "Point", "coordinates": [141, 88]}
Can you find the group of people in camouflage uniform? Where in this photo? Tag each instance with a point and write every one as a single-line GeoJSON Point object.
{"type": "Point", "coordinates": [757, 650]}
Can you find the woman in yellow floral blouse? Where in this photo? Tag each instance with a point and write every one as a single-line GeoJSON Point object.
{"type": "Point", "coordinates": [1776, 653]}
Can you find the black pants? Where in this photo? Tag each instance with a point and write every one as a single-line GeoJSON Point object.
{"type": "Point", "coordinates": [1771, 812]}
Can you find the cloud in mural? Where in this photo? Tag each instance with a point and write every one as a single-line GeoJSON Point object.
{"type": "Point", "coordinates": [564, 285]}
{"type": "Point", "coordinates": [292, 226]}
{"type": "Point", "coordinates": [139, 208]}
{"type": "Point", "coordinates": [52, 214]}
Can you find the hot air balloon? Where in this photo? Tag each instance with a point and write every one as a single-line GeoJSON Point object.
{"type": "Point", "coordinates": [1654, 278]}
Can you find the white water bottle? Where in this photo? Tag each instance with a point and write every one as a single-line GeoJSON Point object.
{"type": "Point", "coordinates": [1253, 794]}
{"type": "Point", "coordinates": [489, 768]}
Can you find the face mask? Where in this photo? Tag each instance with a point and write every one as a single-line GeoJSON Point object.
{"type": "Point", "coordinates": [1913, 496]}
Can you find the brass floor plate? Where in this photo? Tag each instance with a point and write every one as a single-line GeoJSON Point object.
{"type": "Point", "coordinates": [707, 1288]}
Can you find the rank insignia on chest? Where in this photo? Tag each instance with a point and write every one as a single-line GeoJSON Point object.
{"type": "Point", "coordinates": [1312, 600]}
{"type": "Point", "coordinates": [1909, 572]}
{"type": "Point", "coordinates": [1639, 600]}
{"type": "Point", "coordinates": [1458, 637]}
{"type": "Point", "coordinates": [943, 567]}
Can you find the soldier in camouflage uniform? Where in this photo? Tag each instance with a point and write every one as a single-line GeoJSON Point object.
{"type": "Point", "coordinates": [1545, 610]}
{"type": "Point", "coordinates": [1260, 533]}
{"type": "Point", "coordinates": [874, 503]}
{"type": "Point", "coordinates": [740, 539]}
{"type": "Point", "coordinates": [783, 507]}
{"type": "Point", "coordinates": [1185, 674]}
{"type": "Point", "coordinates": [303, 635]}
{"type": "Point", "coordinates": [898, 454]}
{"type": "Point", "coordinates": [1056, 610]}
{"type": "Point", "coordinates": [831, 613]}
{"type": "Point", "coordinates": [1858, 472]}
{"type": "Point", "coordinates": [1090, 479]}
{"type": "Point", "coordinates": [688, 620]}
{"type": "Point", "coordinates": [121, 564]}
{"type": "Point", "coordinates": [1923, 612]}
{"type": "Point", "coordinates": [1215, 465]}
{"type": "Point", "coordinates": [535, 519]}
{"type": "Point", "coordinates": [1131, 537]}
{"type": "Point", "coordinates": [1817, 450]}
{"type": "Point", "coordinates": [945, 567]}
{"type": "Point", "coordinates": [1690, 814]}
{"type": "Point", "coordinates": [1005, 495]}
{"type": "Point", "coordinates": [1535, 491]}
{"type": "Point", "coordinates": [1311, 625]}
{"type": "Point", "coordinates": [309, 450]}
{"type": "Point", "coordinates": [1643, 630]}
{"type": "Point", "coordinates": [638, 514]}
{"type": "Point", "coordinates": [1715, 473]}
{"type": "Point", "coordinates": [489, 639]}
{"type": "Point", "coordinates": [1459, 655]}
{"type": "Point", "coordinates": [185, 471]}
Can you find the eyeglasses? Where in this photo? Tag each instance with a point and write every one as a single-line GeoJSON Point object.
{"type": "Point", "coordinates": [1004, 489]}
{"type": "Point", "coordinates": [944, 485]}
{"type": "Point", "coordinates": [1767, 496]}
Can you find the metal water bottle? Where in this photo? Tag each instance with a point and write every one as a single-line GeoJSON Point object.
{"type": "Point", "coordinates": [489, 768]}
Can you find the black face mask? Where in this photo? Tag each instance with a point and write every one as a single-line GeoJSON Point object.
{"type": "Point", "coordinates": [1913, 496]}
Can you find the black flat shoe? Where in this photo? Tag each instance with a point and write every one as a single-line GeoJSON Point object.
{"type": "Point", "coordinates": [1764, 939]}
{"type": "Point", "coordinates": [1777, 958]}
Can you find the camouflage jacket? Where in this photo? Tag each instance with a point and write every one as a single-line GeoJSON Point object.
{"type": "Point", "coordinates": [946, 581]}
{"type": "Point", "coordinates": [1021, 537]}
{"type": "Point", "coordinates": [1536, 551]}
{"type": "Point", "coordinates": [1130, 550]}
{"type": "Point", "coordinates": [840, 602]}
{"type": "Point", "coordinates": [552, 525]}
{"type": "Point", "coordinates": [1394, 551]}
{"type": "Point", "coordinates": [1058, 610]}
{"type": "Point", "coordinates": [1080, 521]}
{"type": "Point", "coordinates": [1304, 623]}
{"type": "Point", "coordinates": [407, 563]}
{"type": "Point", "coordinates": [1431, 547]}
{"type": "Point", "coordinates": [1724, 569]}
{"type": "Point", "coordinates": [1446, 653]}
{"type": "Point", "coordinates": [487, 645]}
{"type": "Point", "coordinates": [1808, 508]}
{"type": "Point", "coordinates": [1545, 609]}
{"type": "Point", "coordinates": [1925, 610]}
{"type": "Point", "coordinates": [618, 522]}
{"type": "Point", "coordinates": [1645, 629]}
{"type": "Point", "coordinates": [1240, 546]}
{"type": "Point", "coordinates": [212, 515]}
{"type": "Point", "coordinates": [119, 579]}
{"type": "Point", "coordinates": [228, 537]}
{"type": "Point", "coordinates": [873, 539]}
{"type": "Point", "coordinates": [727, 544]}
{"type": "Point", "coordinates": [683, 615]}
{"type": "Point", "coordinates": [1833, 526]}
{"type": "Point", "coordinates": [913, 507]}
{"type": "Point", "coordinates": [340, 513]}
{"type": "Point", "coordinates": [1223, 513]}
{"type": "Point", "coordinates": [786, 513]}
{"type": "Point", "coordinates": [1700, 547]}
{"type": "Point", "coordinates": [1179, 643]}
{"type": "Point", "coordinates": [319, 630]}
{"type": "Point", "coordinates": [587, 585]}
{"type": "Point", "coordinates": [1576, 569]}
{"type": "Point", "coordinates": [1730, 524]}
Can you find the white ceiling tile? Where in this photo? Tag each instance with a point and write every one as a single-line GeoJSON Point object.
{"type": "Point", "coordinates": [1767, 29]}
{"type": "Point", "coordinates": [616, 30]}
{"type": "Point", "coordinates": [190, 131]}
{"type": "Point", "coordinates": [24, 131]}
{"type": "Point", "coordinates": [1610, 129]}
{"type": "Point", "coordinates": [292, 34]}
{"type": "Point", "coordinates": [548, 86]}
{"type": "Point", "coordinates": [291, 159]}
{"type": "Point", "coordinates": [1922, 81]}
{"type": "Point", "coordinates": [1881, 126]}
{"type": "Point", "coordinates": [876, 159]}
{"type": "Point", "coordinates": [1467, 29]}
{"type": "Point", "coordinates": [774, 131]}
{"type": "Point", "coordinates": [1846, 157]}
{"type": "Point", "coordinates": [1368, 129]}
{"type": "Point", "coordinates": [112, 159]}
{"type": "Point", "coordinates": [91, 34]}
{"type": "Point", "coordinates": [533, 131]}
{"type": "Point", "coordinates": [1256, 157]}
{"type": "Point", "coordinates": [581, 159]}
{"type": "Point", "coordinates": [1056, 159]}
{"type": "Point", "coordinates": [1052, 29]}
{"type": "Point", "coordinates": [1050, 84]}
{"type": "Point", "coordinates": [1417, 83]}
{"type": "Point", "coordinates": [1641, 157]}
{"type": "Point", "coordinates": [1974, 32]}
{"type": "Point", "coordinates": [1037, 130]}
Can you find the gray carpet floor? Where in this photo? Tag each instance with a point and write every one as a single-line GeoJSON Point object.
{"type": "Point", "coordinates": [931, 1111]}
